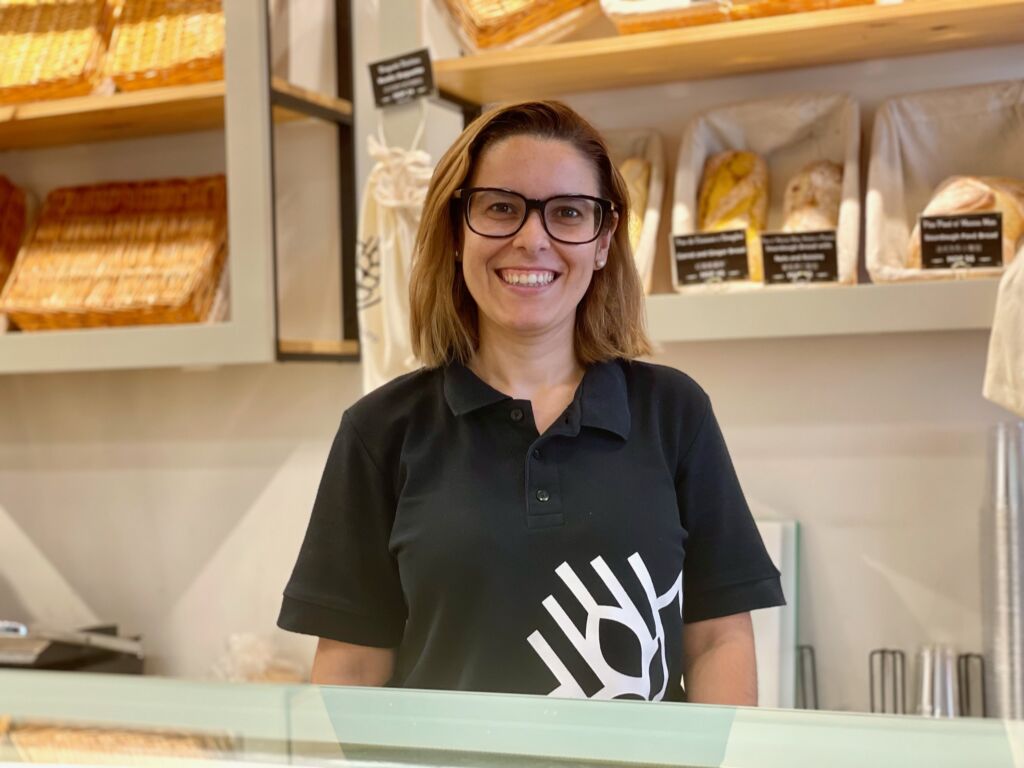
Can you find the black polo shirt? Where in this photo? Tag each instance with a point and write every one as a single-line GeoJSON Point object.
{"type": "Point", "coordinates": [497, 559]}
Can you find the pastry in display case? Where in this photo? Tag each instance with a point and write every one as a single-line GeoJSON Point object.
{"type": "Point", "coordinates": [631, 16]}
{"type": "Point", "coordinates": [946, 184]}
{"type": "Point", "coordinates": [122, 253]}
{"type": "Point", "coordinates": [56, 743]}
{"type": "Point", "coordinates": [767, 193]}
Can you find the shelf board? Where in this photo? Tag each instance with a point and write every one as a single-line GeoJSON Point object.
{"type": "Point", "coordinates": [780, 42]}
{"type": "Point", "coordinates": [148, 346]}
{"type": "Point", "coordinates": [133, 114]}
{"type": "Point", "coordinates": [827, 311]}
{"type": "Point", "coordinates": [763, 314]}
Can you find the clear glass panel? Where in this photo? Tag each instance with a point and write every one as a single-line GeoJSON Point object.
{"type": "Point", "coordinates": [309, 726]}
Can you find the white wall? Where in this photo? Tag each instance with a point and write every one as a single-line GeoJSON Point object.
{"type": "Point", "coordinates": [173, 502]}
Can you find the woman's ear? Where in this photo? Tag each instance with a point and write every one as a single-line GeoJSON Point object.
{"type": "Point", "coordinates": [604, 242]}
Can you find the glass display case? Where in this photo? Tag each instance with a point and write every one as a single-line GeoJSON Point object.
{"type": "Point", "coordinates": [61, 718]}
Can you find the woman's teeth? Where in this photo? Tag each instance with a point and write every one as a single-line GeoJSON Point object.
{"type": "Point", "coordinates": [526, 278]}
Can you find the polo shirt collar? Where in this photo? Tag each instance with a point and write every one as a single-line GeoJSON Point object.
{"type": "Point", "coordinates": [466, 392]}
{"type": "Point", "coordinates": [603, 400]}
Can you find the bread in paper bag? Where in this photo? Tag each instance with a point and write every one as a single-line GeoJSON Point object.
{"type": "Point", "coordinates": [734, 195]}
{"type": "Point", "coordinates": [976, 194]}
{"type": "Point", "coordinates": [813, 197]}
{"type": "Point", "coordinates": [636, 172]}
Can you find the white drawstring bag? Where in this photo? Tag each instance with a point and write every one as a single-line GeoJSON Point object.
{"type": "Point", "coordinates": [391, 208]}
{"type": "Point", "coordinates": [1004, 373]}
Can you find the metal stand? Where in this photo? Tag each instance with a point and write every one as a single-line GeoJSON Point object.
{"type": "Point", "coordinates": [347, 349]}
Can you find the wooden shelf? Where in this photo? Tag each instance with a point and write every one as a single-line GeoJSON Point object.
{"type": "Point", "coordinates": [827, 311]}
{"type": "Point", "coordinates": [780, 42]}
{"type": "Point", "coordinates": [150, 112]}
{"type": "Point", "coordinates": [144, 346]}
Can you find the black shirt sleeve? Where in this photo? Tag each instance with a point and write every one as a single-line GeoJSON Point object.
{"type": "Point", "coordinates": [345, 584]}
{"type": "Point", "coordinates": [727, 569]}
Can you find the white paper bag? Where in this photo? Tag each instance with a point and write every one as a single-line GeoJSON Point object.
{"type": "Point", "coordinates": [789, 133]}
{"type": "Point", "coordinates": [391, 209]}
{"type": "Point", "coordinates": [1004, 373]}
{"type": "Point", "coordinates": [921, 140]}
{"type": "Point", "coordinates": [648, 145]}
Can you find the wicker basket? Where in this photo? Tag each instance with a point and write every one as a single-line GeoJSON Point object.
{"type": "Point", "coordinates": [51, 48]}
{"type": "Point", "coordinates": [121, 254]}
{"type": "Point", "coordinates": [13, 222]}
{"type": "Point", "coordinates": [60, 744]}
{"type": "Point", "coordinates": [165, 42]}
{"type": "Point", "coordinates": [632, 16]}
{"type": "Point", "coordinates": [484, 24]}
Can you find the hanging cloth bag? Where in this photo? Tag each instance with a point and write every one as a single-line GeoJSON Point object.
{"type": "Point", "coordinates": [391, 208]}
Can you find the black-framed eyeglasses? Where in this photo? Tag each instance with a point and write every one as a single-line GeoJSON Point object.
{"type": "Point", "coordinates": [570, 219]}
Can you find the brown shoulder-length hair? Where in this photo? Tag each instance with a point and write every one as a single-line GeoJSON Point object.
{"type": "Point", "coordinates": [610, 317]}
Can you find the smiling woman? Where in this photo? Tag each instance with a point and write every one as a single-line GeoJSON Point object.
{"type": "Point", "coordinates": [535, 511]}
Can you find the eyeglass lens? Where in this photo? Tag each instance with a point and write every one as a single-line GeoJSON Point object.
{"type": "Point", "coordinates": [494, 213]}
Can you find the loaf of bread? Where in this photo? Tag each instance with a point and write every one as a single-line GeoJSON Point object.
{"type": "Point", "coordinates": [636, 172]}
{"type": "Point", "coordinates": [976, 194]}
{"type": "Point", "coordinates": [813, 197]}
{"type": "Point", "coordinates": [734, 195]}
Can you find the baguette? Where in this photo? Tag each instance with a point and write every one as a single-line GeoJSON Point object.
{"type": "Point", "coordinates": [734, 195]}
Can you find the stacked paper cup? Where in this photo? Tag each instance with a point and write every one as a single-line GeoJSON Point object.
{"type": "Point", "coordinates": [1002, 576]}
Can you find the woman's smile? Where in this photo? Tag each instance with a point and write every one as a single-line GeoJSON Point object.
{"type": "Point", "coordinates": [527, 278]}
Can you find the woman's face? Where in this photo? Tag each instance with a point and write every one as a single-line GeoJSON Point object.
{"type": "Point", "coordinates": [528, 285]}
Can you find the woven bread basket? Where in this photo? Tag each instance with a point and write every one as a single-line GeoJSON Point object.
{"type": "Point", "coordinates": [482, 24]}
{"type": "Point", "coordinates": [165, 42]}
{"type": "Point", "coordinates": [128, 253]}
{"type": "Point", "coordinates": [51, 49]}
{"type": "Point", "coordinates": [630, 16]}
{"type": "Point", "coordinates": [13, 222]}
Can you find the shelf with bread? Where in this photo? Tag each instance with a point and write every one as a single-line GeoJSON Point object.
{"type": "Point", "coordinates": [87, 262]}
{"type": "Point", "coordinates": [150, 112]}
{"type": "Point", "coordinates": [792, 312]}
{"type": "Point", "coordinates": [830, 36]}
{"type": "Point", "coordinates": [139, 274]}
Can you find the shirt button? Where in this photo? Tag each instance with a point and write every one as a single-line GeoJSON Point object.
{"type": "Point", "coordinates": [516, 414]}
{"type": "Point", "coordinates": [542, 495]}
{"type": "Point", "coordinates": [536, 453]}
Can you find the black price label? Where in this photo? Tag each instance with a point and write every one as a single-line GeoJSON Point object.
{"type": "Point", "coordinates": [963, 241]}
{"type": "Point", "coordinates": [800, 257]}
{"type": "Point", "coordinates": [711, 257]}
{"type": "Point", "coordinates": [402, 79]}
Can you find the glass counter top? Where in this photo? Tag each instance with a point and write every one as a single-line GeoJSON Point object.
{"type": "Point", "coordinates": [62, 718]}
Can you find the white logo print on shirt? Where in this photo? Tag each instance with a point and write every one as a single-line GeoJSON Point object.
{"type": "Point", "coordinates": [626, 613]}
